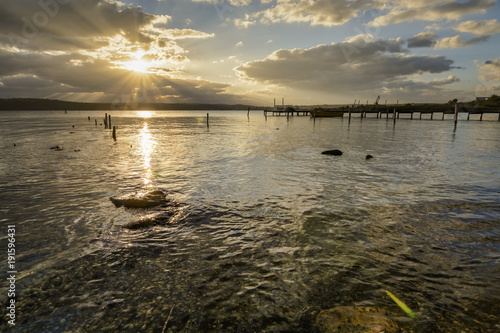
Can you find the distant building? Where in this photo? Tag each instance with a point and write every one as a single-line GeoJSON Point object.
{"type": "Point", "coordinates": [479, 99]}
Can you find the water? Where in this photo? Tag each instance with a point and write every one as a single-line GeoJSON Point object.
{"type": "Point", "coordinates": [267, 231]}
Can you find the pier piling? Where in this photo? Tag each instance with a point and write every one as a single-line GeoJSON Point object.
{"type": "Point", "coordinates": [456, 114]}
{"type": "Point", "coordinates": [208, 116]}
{"type": "Point", "coordinates": [114, 133]}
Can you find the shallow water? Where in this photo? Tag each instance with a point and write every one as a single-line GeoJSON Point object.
{"type": "Point", "coordinates": [267, 231]}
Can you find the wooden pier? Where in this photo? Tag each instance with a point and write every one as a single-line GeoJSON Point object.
{"type": "Point", "coordinates": [379, 111]}
{"type": "Point", "coordinates": [287, 113]}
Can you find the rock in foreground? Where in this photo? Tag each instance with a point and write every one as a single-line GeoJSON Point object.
{"type": "Point", "coordinates": [142, 199]}
{"type": "Point", "coordinates": [334, 152]}
{"type": "Point", "coordinates": [343, 319]}
{"type": "Point", "coordinates": [146, 221]}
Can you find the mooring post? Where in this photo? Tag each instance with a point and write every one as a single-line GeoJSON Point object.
{"type": "Point", "coordinates": [95, 122]}
{"type": "Point", "coordinates": [456, 113]}
{"type": "Point", "coordinates": [109, 121]}
{"type": "Point", "coordinates": [105, 121]}
{"type": "Point", "coordinates": [114, 133]}
{"type": "Point", "coordinates": [208, 116]}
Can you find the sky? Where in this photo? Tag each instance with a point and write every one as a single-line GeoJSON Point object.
{"type": "Point", "coordinates": [309, 52]}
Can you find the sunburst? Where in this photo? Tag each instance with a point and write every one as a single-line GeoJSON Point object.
{"type": "Point", "coordinates": [138, 65]}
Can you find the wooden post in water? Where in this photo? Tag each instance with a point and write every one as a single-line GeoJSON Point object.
{"type": "Point", "coordinates": [394, 112]}
{"type": "Point", "coordinates": [114, 133]}
{"type": "Point", "coordinates": [109, 121]}
{"type": "Point", "coordinates": [248, 112]}
{"type": "Point", "coordinates": [105, 121]}
{"type": "Point", "coordinates": [95, 122]}
{"type": "Point", "coordinates": [468, 116]}
{"type": "Point", "coordinates": [350, 110]}
{"type": "Point", "coordinates": [481, 118]}
{"type": "Point", "coordinates": [456, 113]}
{"type": "Point", "coordinates": [498, 116]}
{"type": "Point", "coordinates": [89, 118]}
{"type": "Point", "coordinates": [208, 116]}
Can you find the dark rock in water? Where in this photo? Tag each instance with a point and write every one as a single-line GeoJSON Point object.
{"type": "Point", "coordinates": [145, 221]}
{"type": "Point", "coordinates": [57, 148]}
{"type": "Point", "coordinates": [334, 152]}
{"type": "Point", "coordinates": [142, 199]}
{"type": "Point", "coordinates": [355, 319]}
{"type": "Point", "coordinates": [368, 157]}
{"type": "Point", "coordinates": [168, 215]}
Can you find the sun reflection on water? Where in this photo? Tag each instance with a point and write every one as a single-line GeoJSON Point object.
{"type": "Point", "coordinates": [147, 144]}
{"type": "Point", "coordinates": [145, 114]}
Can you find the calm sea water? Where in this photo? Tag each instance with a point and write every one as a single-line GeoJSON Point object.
{"type": "Point", "coordinates": [267, 231]}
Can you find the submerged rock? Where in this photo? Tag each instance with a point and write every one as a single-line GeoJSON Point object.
{"type": "Point", "coordinates": [146, 221]}
{"type": "Point", "coordinates": [57, 148]}
{"type": "Point", "coordinates": [142, 199]}
{"type": "Point", "coordinates": [368, 157]}
{"type": "Point", "coordinates": [334, 152]}
{"type": "Point", "coordinates": [355, 319]}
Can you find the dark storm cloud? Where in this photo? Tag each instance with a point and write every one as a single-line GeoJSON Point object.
{"type": "Point", "coordinates": [355, 65]}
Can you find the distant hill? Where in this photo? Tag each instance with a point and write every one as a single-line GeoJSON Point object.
{"type": "Point", "coordinates": [32, 104]}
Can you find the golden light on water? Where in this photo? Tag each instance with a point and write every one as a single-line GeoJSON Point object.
{"type": "Point", "coordinates": [145, 114]}
{"type": "Point", "coordinates": [147, 145]}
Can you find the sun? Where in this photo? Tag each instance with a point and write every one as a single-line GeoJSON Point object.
{"type": "Point", "coordinates": [138, 65]}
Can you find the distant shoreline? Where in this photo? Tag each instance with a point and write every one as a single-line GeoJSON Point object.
{"type": "Point", "coordinates": [491, 105]}
{"type": "Point", "coordinates": [40, 104]}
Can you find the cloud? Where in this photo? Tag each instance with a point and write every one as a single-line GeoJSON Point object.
{"type": "Point", "coordinates": [230, 2]}
{"type": "Point", "coordinates": [457, 41]}
{"type": "Point", "coordinates": [357, 64]}
{"type": "Point", "coordinates": [240, 43]}
{"type": "Point", "coordinates": [490, 70]}
{"type": "Point", "coordinates": [320, 12]}
{"type": "Point", "coordinates": [82, 49]}
{"type": "Point", "coordinates": [57, 76]}
{"type": "Point", "coordinates": [244, 23]}
{"type": "Point", "coordinates": [337, 12]}
{"type": "Point", "coordinates": [482, 28]}
{"type": "Point", "coordinates": [423, 39]}
{"type": "Point", "coordinates": [432, 10]}
{"type": "Point", "coordinates": [443, 81]}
